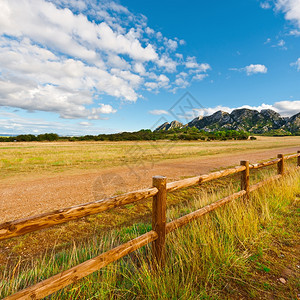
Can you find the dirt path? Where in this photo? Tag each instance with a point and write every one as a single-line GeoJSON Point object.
{"type": "Point", "coordinates": [36, 196]}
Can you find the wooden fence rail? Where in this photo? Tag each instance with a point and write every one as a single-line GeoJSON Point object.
{"type": "Point", "coordinates": [157, 236]}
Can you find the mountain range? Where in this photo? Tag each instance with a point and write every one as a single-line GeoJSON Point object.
{"type": "Point", "coordinates": [253, 121]}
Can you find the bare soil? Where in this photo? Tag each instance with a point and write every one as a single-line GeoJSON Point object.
{"type": "Point", "coordinates": [31, 196]}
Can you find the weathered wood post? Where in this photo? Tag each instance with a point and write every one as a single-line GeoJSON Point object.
{"type": "Point", "coordinates": [159, 221]}
{"type": "Point", "coordinates": [280, 164]}
{"type": "Point", "coordinates": [298, 158]}
{"type": "Point", "coordinates": [245, 178]}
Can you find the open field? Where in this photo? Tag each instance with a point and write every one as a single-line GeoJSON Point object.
{"type": "Point", "coordinates": [244, 250]}
{"type": "Point", "coordinates": [39, 177]}
{"type": "Point", "coordinates": [242, 258]}
{"type": "Point", "coordinates": [51, 158]}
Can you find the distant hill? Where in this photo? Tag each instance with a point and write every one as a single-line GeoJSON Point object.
{"type": "Point", "coordinates": [253, 121]}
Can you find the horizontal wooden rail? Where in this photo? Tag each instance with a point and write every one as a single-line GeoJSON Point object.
{"type": "Point", "coordinates": [291, 156]}
{"type": "Point", "coordinates": [171, 226]}
{"type": "Point", "coordinates": [172, 186]}
{"type": "Point", "coordinates": [61, 280]}
{"type": "Point", "coordinates": [23, 226]}
{"type": "Point", "coordinates": [264, 164]}
{"type": "Point", "coordinates": [202, 211]}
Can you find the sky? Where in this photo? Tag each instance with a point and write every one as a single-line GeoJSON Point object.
{"type": "Point", "coordinates": [77, 67]}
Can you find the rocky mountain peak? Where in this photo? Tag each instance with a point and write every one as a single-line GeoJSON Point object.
{"type": "Point", "coordinates": [241, 119]}
{"type": "Point", "coordinates": [168, 126]}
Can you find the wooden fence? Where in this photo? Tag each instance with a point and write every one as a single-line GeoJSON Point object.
{"type": "Point", "coordinates": [159, 226]}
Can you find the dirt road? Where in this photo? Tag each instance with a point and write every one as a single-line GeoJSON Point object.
{"type": "Point", "coordinates": [36, 196]}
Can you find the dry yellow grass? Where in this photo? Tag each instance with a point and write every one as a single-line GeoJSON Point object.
{"type": "Point", "coordinates": [36, 158]}
{"type": "Point", "coordinates": [239, 251]}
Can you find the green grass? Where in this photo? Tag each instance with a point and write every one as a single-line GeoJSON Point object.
{"type": "Point", "coordinates": [236, 252]}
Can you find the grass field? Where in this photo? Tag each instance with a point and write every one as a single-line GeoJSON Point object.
{"type": "Point", "coordinates": [42, 158]}
{"type": "Point", "coordinates": [237, 252]}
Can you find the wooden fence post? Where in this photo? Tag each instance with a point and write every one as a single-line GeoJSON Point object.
{"type": "Point", "coordinates": [245, 178]}
{"type": "Point", "coordinates": [298, 158]}
{"type": "Point", "coordinates": [280, 165]}
{"type": "Point", "coordinates": [159, 220]}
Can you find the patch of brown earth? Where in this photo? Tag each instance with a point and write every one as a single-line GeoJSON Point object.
{"type": "Point", "coordinates": [31, 197]}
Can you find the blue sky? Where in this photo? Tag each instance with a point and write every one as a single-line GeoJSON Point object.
{"type": "Point", "coordinates": [89, 67]}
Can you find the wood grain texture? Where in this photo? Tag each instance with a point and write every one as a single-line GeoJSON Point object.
{"type": "Point", "coordinates": [159, 209]}
{"type": "Point", "coordinates": [291, 156]}
{"type": "Point", "coordinates": [175, 185]}
{"type": "Point", "coordinates": [23, 226]}
{"type": "Point", "coordinates": [61, 280]}
{"type": "Point", "coordinates": [202, 211]}
{"type": "Point", "coordinates": [264, 164]}
{"type": "Point", "coordinates": [280, 164]}
{"type": "Point", "coordinates": [245, 179]}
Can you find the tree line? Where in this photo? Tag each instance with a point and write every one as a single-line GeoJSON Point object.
{"type": "Point", "coordinates": [186, 133]}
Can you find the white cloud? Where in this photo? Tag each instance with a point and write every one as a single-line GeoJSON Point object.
{"type": "Point", "coordinates": [296, 64]}
{"type": "Point", "coordinates": [191, 63]}
{"type": "Point", "coordinates": [280, 44]}
{"type": "Point", "coordinates": [294, 32]}
{"type": "Point", "coordinates": [139, 68]}
{"type": "Point", "coordinates": [265, 5]}
{"type": "Point", "coordinates": [287, 108]}
{"type": "Point", "coordinates": [170, 44]}
{"type": "Point", "coordinates": [198, 71]}
{"type": "Point", "coordinates": [158, 112]}
{"type": "Point", "coordinates": [11, 123]}
{"type": "Point", "coordinates": [54, 58]}
{"type": "Point", "coordinates": [291, 9]}
{"type": "Point", "coordinates": [252, 69]}
{"type": "Point", "coordinates": [182, 82]}
{"type": "Point", "coordinates": [168, 63]}
{"type": "Point", "coordinates": [85, 124]}
{"type": "Point", "coordinates": [199, 77]}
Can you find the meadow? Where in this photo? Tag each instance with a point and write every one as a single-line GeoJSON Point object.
{"type": "Point", "coordinates": [50, 158]}
{"type": "Point", "coordinates": [237, 252]}
{"type": "Point", "coordinates": [241, 251]}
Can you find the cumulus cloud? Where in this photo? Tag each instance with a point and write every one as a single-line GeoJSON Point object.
{"type": "Point", "coordinates": [287, 108]}
{"type": "Point", "coordinates": [284, 108]}
{"type": "Point", "coordinates": [192, 63]}
{"type": "Point", "coordinates": [62, 56]}
{"type": "Point", "coordinates": [252, 69]}
{"type": "Point", "coordinates": [291, 9]}
{"type": "Point", "coordinates": [199, 77]}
